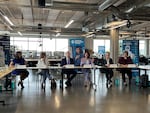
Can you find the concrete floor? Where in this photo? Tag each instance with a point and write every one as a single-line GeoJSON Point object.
{"type": "Point", "coordinates": [76, 99]}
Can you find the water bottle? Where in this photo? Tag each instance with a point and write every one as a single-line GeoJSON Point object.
{"type": "Point", "coordinates": [137, 80]}
{"type": "Point", "coordinates": [0, 87]}
{"type": "Point", "coordinates": [12, 84]}
{"type": "Point", "coordinates": [117, 81]}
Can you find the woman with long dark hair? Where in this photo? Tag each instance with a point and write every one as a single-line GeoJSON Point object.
{"type": "Point", "coordinates": [86, 60]}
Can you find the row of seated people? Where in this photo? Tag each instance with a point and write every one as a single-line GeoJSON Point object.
{"type": "Point", "coordinates": [71, 73]}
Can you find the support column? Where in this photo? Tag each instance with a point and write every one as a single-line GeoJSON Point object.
{"type": "Point", "coordinates": [147, 47]}
{"type": "Point", "coordinates": [114, 44]}
{"type": "Point", "coordinates": [89, 43]}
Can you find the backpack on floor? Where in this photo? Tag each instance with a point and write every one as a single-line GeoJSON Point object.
{"type": "Point", "coordinates": [144, 81]}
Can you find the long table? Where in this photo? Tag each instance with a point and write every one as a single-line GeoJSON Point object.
{"type": "Point", "coordinates": [33, 61]}
{"type": "Point", "coordinates": [3, 73]}
{"type": "Point", "coordinates": [93, 67]}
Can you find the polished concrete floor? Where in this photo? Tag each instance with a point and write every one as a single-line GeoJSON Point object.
{"type": "Point", "coordinates": [77, 99]}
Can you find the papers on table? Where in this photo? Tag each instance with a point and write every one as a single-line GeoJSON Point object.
{"type": "Point", "coordinates": [131, 65]}
{"type": "Point", "coordinates": [87, 66]}
{"type": "Point", "coordinates": [20, 66]}
{"type": "Point", "coordinates": [69, 66]}
{"type": "Point", "coordinates": [113, 66]}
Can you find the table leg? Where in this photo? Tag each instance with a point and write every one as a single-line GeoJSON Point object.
{"type": "Point", "coordinates": [62, 81]}
{"type": "Point", "coordinates": [145, 72]}
{"type": "Point", "coordinates": [94, 84]}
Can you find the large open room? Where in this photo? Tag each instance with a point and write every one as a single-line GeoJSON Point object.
{"type": "Point", "coordinates": [75, 56]}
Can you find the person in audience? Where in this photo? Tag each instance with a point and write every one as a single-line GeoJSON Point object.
{"type": "Point", "coordinates": [86, 60]}
{"type": "Point", "coordinates": [44, 72]}
{"type": "Point", "coordinates": [71, 73]}
{"type": "Point", "coordinates": [109, 72]}
{"type": "Point", "coordinates": [78, 56]}
{"type": "Point", "coordinates": [19, 60]}
{"type": "Point", "coordinates": [124, 61]}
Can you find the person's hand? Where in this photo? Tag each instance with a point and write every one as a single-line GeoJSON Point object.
{"type": "Point", "coordinates": [92, 60]}
{"type": "Point", "coordinates": [77, 57]}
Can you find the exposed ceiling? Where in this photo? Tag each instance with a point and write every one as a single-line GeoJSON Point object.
{"type": "Point", "coordinates": [90, 16]}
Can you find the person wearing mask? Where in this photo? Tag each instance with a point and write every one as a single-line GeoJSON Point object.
{"type": "Point", "coordinates": [19, 60]}
{"type": "Point", "coordinates": [124, 61]}
{"type": "Point", "coordinates": [78, 56]}
{"type": "Point", "coordinates": [71, 73]}
{"type": "Point", "coordinates": [109, 72]}
{"type": "Point", "coordinates": [45, 72]}
{"type": "Point", "coordinates": [86, 60]}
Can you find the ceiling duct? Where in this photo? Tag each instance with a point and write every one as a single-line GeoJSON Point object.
{"type": "Point", "coordinates": [128, 12]}
{"type": "Point", "coordinates": [106, 4]}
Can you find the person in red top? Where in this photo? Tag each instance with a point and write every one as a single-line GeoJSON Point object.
{"type": "Point", "coordinates": [124, 61]}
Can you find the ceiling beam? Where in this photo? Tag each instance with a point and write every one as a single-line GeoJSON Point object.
{"type": "Point", "coordinates": [59, 5]}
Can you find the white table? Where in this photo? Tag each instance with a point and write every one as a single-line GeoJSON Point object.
{"type": "Point", "coordinates": [4, 72]}
{"type": "Point", "coordinates": [36, 59]}
{"type": "Point", "coordinates": [94, 67]}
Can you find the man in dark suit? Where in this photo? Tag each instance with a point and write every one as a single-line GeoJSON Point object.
{"type": "Point", "coordinates": [71, 73]}
{"type": "Point", "coordinates": [109, 72]}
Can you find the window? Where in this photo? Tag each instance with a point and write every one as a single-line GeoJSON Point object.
{"type": "Point", "coordinates": [142, 47]}
{"type": "Point", "coordinates": [39, 44]}
{"type": "Point", "coordinates": [60, 46]}
{"type": "Point", "coordinates": [100, 42]}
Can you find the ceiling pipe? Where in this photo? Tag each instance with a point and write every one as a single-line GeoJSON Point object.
{"type": "Point", "coordinates": [106, 4]}
{"type": "Point", "coordinates": [124, 14]}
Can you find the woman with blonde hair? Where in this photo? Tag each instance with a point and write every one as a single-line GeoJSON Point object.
{"type": "Point", "coordinates": [45, 72]}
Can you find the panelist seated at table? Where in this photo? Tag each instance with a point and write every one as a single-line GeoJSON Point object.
{"type": "Point", "coordinates": [71, 73]}
{"type": "Point", "coordinates": [86, 60]}
{"type": "Point", "coordinates": [109, 72]}
{"type": "Point", "coordinates": [43, 61]}
{"type": "Point", "coordinates": [123, 62]}
{"type": "Point", "coordinates": [19, 60]}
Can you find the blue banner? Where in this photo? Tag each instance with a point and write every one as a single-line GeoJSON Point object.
{"type": "Point", "coordinates": [5, 43]}
{"type": "Point", "coordinates": [132, 46]}
{"type": "Point", "coordinates": [101, 50]}
{"type": "Point", "coordinates": [77, 43]}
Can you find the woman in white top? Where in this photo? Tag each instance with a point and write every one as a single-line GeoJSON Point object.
{"type": "Point", "coordinates": [45, 72]}
{"type": "Point", "coordinates": [86, 61]}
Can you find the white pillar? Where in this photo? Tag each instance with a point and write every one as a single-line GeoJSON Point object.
{"type": "Point", "coordinates": [114, 44]}
{"type": "Point", "coordinates": [89, 43]}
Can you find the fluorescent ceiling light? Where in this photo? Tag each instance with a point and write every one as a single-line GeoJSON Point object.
{"type": "Point", "coordinates": [58, 34]}
{"type": "Point", "coordinates": [8, 20]}
{"type": "Point", "coordinates": [69, 23]}
{"type": "Point", "coordinates": [19, 33]}
{"type": "Point", "coordinates": [10, 28]}
{"type": "Point", "coordinates": [129, 10]}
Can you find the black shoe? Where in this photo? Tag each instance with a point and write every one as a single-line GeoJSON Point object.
{"type": "Point", "coordinates": [19, 83]}
{"type": "Point", "coordinates": [68, 84]}
{"type": "Point", "coordinates": [22, 87]}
